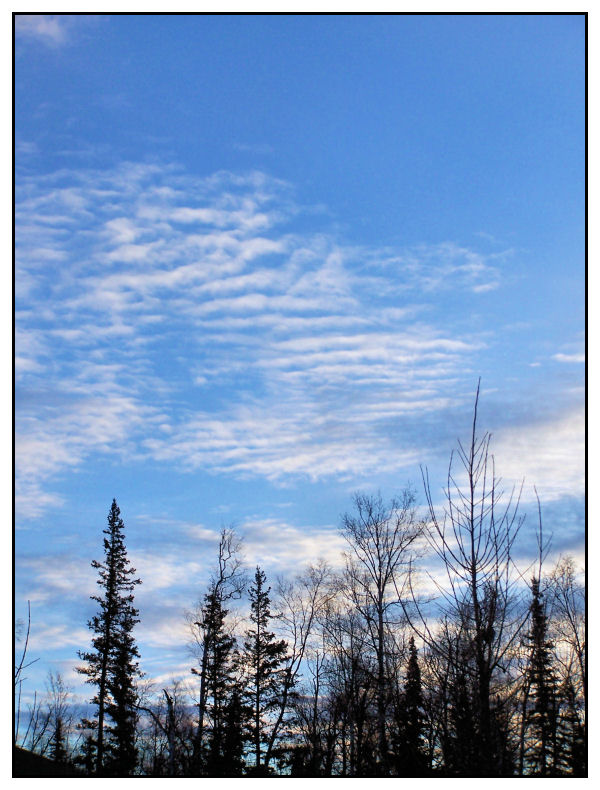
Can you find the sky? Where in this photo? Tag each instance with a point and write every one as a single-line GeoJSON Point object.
{"type": "Point", "coordinates": [261, 263]}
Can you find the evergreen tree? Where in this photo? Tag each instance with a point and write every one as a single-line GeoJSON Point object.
{"type": "Point", "coordinates": [263, 659]}
{"type": "Point", "coordinates": [460, 750]}
{"type": "Point", "coordinates": [219, 680]}
{"type": "Point", "coordinates": [227, 582]}
{"type": "Point", "coordinates": [236, 716]}
{"type": "Point", "coordinates": [86, 756]}
{"type": "Point", "coordinates": [503, 745]}
{"type": "Point", "coordinates": [121, 707]}
{"type": "Point", "coordinates": [58, 751]}
{"type": "Point", "coordinates": [110, 665]}
{"type": "Point", "coordinates": [572, 733]}
{"type": "Point", "coordinates": [542, 715]}
{"type": "Point", "coordinates": [410, 754]}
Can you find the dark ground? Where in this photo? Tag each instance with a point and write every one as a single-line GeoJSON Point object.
{"type": "Point", "coordinates": [28, 764]}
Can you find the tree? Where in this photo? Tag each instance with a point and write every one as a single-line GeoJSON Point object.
{"type": "Point", "coordinates": [220, 687]}
{"type": "Point", "coordinates": [121, 705]}
{"type": "Point", "coordinates": [300, 603]}
{"type": "Point", "coordinates": [166, 740]}
{"type": "Point", "coordinates": [541, 720]}
{"type": "Point", "coordinates": [111, 665]}
{"type": "Point", "coordinates": [349, 674]}
{"type": "Point", "coordinates": [474, 537]}
{"type": "Point", "coordinates": [61, 717]}
{"type": "Point", "coordinates": [565, 597]}
{"type": "Point", "coordinates": [227, 582]}
{"type": "Point", "coordinates": [262, 659]}
{"type": "Point", "coordinates": [86, 755]}
{"type": "Point", "coordinates": [410, 752]}
{"type": "Point", "coordinates": [19, 669]}
{"type": "Point", "coordinates": [58, 751]}
{"type": "Point", "coordinates": [235, 719]}
{"type": "Point", "coordinates": [382, 539]}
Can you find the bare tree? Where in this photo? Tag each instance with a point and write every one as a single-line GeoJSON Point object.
{"type": "Point", "coordinates": [348, 675]}
{"type": "Point", "coordinates": [61, 715]}
{"type": "Point", "coordinates": [168, 739]}
{"type": "Point", "coordinates": [566, 602]}
{"type": "Point", "coordinates": [300, 603]}
{"type": "Point", "coordinates": [473, 537]}
{"type": "Point", "coordinates": [19, 669]}
{"type": "Point", "coordinates": [382, 539]}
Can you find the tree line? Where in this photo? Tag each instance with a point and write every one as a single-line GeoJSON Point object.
{"type": "Point", "coordinates": [430, 653]}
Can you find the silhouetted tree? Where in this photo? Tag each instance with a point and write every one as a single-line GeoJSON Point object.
{"type": "Point", "coordinates": [19, 669]}
{"type": "Point", "coordinates": [300, 603]}
{"type": "Point", "coordinates": [235, 720]}
{"type": "Point", "coordinates": [349, 673]}
{"type": "Point", "coordinates": [410, 758]}
{"type": "Point", "coordinates": [382, 541]}
{"type": "Point", "coordinates": [86, 757]}
{"type": "Point", "coordinates": [121, 705]}
{"type": "Point", "coordinates": [474, 538]}
{"type": "Point", "coordinates": [220, 683]}
{"type": "Point", "coordinates": [227, 582]}
{"type": "Point", "coordinates": [542, 713]}
{"type": "Point", "coordinates": [58, 751]}
{"type": "Point", "coordinates": [264, 660]}
{"type": "Point", "coordinates": [565, 598]}
{"type": "Point", "coordinates": [111, 665]}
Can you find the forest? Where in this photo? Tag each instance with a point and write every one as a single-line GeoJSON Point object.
{"type": "Point", "coordinates": [430, 652]}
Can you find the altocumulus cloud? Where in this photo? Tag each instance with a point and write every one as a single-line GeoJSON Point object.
{"type": "Point", "coordinates": [173, 318]}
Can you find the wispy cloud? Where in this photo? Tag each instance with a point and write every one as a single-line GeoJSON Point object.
{"type": "Point", "coordinates": [315, 356]}
{"type": "Point", "coordinates": [445, 266]}
{"type": "Point", "coordinates": [577, 358]}
{"type": "Point", "coordinates": [48, 28]}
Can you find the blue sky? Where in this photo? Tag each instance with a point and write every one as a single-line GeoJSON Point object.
{"type": "Point", "coordinates": [261, 263]}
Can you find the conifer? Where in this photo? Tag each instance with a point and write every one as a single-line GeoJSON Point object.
{"type": "Point", "coordinates": [111, 665]}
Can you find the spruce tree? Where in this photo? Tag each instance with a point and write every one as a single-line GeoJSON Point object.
{"type": "Point", "coordinates": [110, 665]}
{"type": "Point", "coordinates": [236, 716]}
{"type": "Point", "coordinates": [86, 756]}
{"type": "Point", "coordinates": [410, 754]}
{"type": "Point", "coordinates": [460, 748]}
{"type": "Point", "coordinates": [571, 734]}
{"type": "Point", "coordinates": [121, 707]}
{"type": "Point", "coordinates": [542, 716]}
{"type": "Point", "coordinates": [58, 750]}
{"type": "Point", "coordinates": [219, 680]}
{"type": "Point", "coordinates": [263, 659]}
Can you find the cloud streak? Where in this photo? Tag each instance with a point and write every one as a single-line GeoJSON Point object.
{"type": "Point", "coordinates": [171, 318]}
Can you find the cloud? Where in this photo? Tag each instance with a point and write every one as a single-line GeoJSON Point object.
{"type": "Point", "coordinates": [444, 266]}
{"type": "Point", "coordinates": [284, 548]}
{"type": "Point", "coordinates": [167, 318]}
{"type": "Point", "coordinates": [48, 28]}
{"type": "Point", "coordinates": [549, 455]}
{"type": "Point", "coordinates": [578, 358]}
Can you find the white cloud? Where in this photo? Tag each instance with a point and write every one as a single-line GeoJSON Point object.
{"type": "Point", "coordinates": [445, 266]}
{"type": "Point", "coordinates": [569, 358]}
{"type": "Point", "coordinates": [310, 350]}
{"type": "Point", "coordinates": [283, 548]}
{"type": "Point", "coordinates": [48, 28]}
{"type": "Point", "coordinates": [548, 455]}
